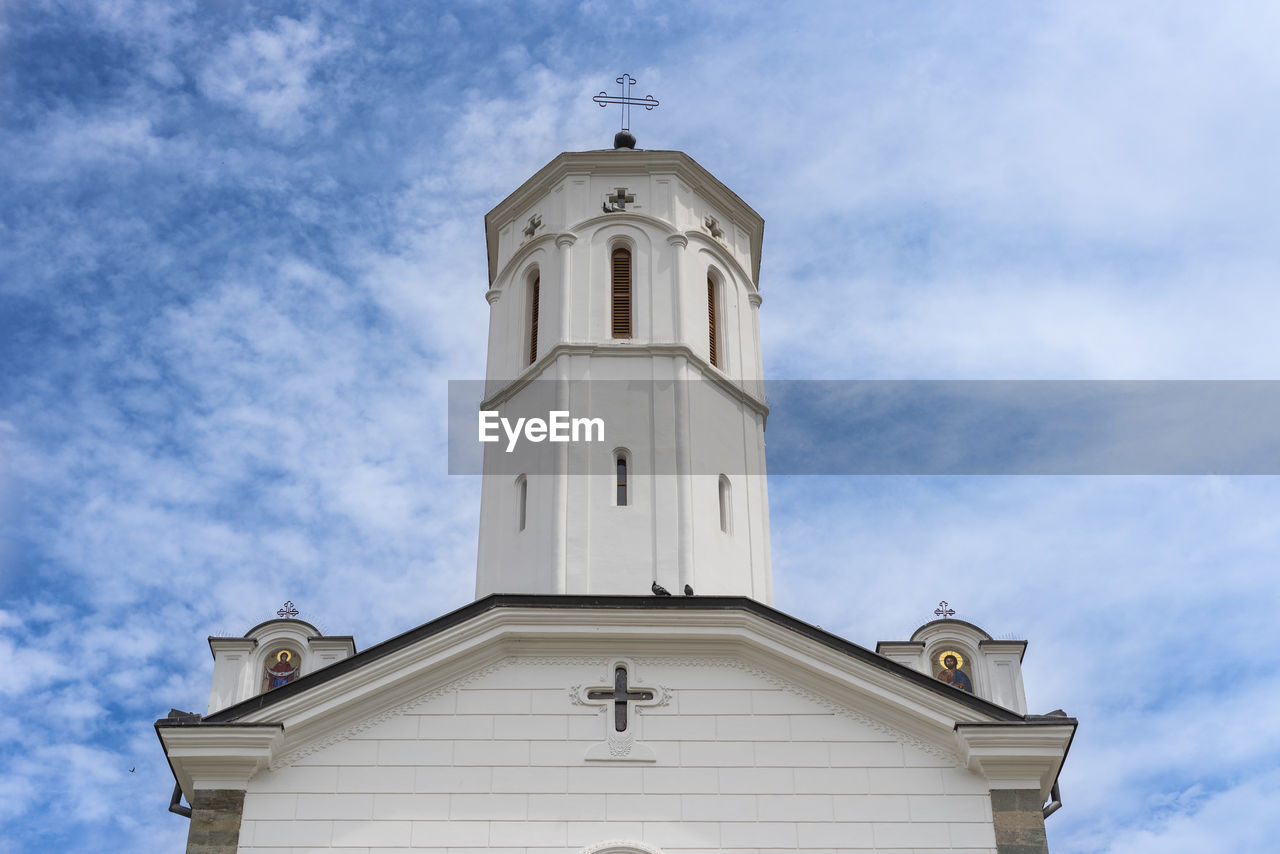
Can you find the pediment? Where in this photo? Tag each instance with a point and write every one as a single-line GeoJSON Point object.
{"type": "Point", "coordinates": [753, 645]}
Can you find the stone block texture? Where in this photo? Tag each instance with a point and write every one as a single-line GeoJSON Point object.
{"type": "Point", "coordinates": [215, 821]}
{"type": "Point", "coordinates": [742, 762]}
{"type": "Point", "coordinates": [1019, 821]}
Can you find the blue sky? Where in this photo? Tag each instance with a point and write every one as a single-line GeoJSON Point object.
{"type": "Point", "coordinates": [241, 253]}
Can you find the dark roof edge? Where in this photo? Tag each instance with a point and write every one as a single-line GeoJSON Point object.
{"type": "Point", "coordinates": [524, 600]}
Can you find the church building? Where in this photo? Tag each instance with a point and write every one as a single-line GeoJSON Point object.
{"type": "Point", "coordinates": [622, 683]}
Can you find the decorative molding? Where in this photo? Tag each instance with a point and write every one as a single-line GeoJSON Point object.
{"type": "Point", "coordinates": [935, 750]}
{"type": "Point", "coordinates": [620, 846]}
{"type": "Point", "coordinates": [342, 735]}
{"type": "Point", "coordinates": [218, 757]}
{"type": "Point", "coordinates": [632, 165]}
{"type": "Point", "coordinates": [368, 723]}
{"type": "Point", "coordinates": [747, 392]}
{"type": "Point", "coordinates": [1014, 756]}
{"type": "Point", "coordinates": [943, 750]}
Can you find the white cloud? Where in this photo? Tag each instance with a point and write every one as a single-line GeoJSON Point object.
{"type": "Point", "coordinates": [268, 73]}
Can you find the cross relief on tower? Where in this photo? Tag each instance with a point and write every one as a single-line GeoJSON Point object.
{"type": "Point", "coordinates": [618, 200]}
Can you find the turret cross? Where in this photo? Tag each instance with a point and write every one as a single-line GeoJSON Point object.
{"type": "Point", "coordinates": [627, 81]}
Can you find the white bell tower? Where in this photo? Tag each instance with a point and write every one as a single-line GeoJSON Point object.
{"type": "Point", "coordinates": [623, 286]}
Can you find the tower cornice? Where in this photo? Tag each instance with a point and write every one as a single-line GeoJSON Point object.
{"type": "Point", "coordinates": [624, 162]}
{"type": "Point", "coordinates": [535, 371]}
{"type": "Point", "coordinates": [675, 237]}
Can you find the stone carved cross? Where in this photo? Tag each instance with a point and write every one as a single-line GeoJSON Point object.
{"type": "Point", "coordinates": [713, 225]}
{"type": "Point", "coordinates": [535, 223]}
{"type": "Point", "coordinates": [288, 611]}
{"type": "Point", "coordinates": [943, 610]}
{"type": "Point", "coordinates": [619, 200]}
{"type": "Point", "coordinates": [621, 697]}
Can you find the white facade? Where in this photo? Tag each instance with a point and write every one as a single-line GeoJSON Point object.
{"type": "Point", "coordinates": [546, 718]}
{"type": "Point", "coordinates": [691, 432]}
{"type": "Point", "coordinates": [482, 736]}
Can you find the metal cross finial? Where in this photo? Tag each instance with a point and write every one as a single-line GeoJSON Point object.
{"type": "Point", "coordinates": [943, 610]}
{"type": "Point", "coordinates": [288, 611]}
{"type": "Point", "coordinates": [624, 139]}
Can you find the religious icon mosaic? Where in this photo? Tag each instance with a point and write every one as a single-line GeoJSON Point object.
{"type": "Point", "coordinates": [281, 669]}
{"type": "Point", "coordinates": [949, 666]}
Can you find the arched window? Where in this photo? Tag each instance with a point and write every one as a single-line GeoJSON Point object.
{"type": "Point", "coordinates": [726, 508]}
{"type": "Point", "coordinates": [533, 318]}
{"type": "Point", "coordinates": [712, 330]}
{"type": "Point", "coordinates": [522, 501]}
{"type": "Point", "coordinates": [620, 292]}
{"type": "Point", "coordinates": [620, 460]}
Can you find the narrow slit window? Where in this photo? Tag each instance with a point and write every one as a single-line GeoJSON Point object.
{"type": "Point", "coordinates": [620, 293]}
{"type": "Point", "coordinates": [622, 480]}
{"type": "Point", "coordinates": [711, 321]}
{"type": "Point", "coordinates": [725, 508]}
{"type": "Point", "coordinates": [522, 502]}
{"type": "Point", "coordinates": [533, 319]}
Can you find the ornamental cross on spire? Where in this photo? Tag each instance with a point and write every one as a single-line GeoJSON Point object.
{"type": "Point", "coordinates": [624, 139]}
{"type": "Point", "coordinates": [288, 611]}
{"type": "Point", "coordinates": [943, 610]}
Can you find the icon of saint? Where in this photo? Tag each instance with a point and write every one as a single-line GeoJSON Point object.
{"type": "Point", "coordinates": [282, 671]}
{"type": "Point", "coordinates": [953, 675]}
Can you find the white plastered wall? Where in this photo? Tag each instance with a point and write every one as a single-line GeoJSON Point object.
{"type": "Point", "coordinates": [576, 539]}
{"type": "Point", "coordinates": [741, 761]}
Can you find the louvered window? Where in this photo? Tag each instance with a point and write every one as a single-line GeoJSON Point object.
{"type": "Point", "coordinates": [533, 321]}
{"type": "Point", "coordinates": [711, 320]}
{"type": "Point", "coordinates": [621, 293]}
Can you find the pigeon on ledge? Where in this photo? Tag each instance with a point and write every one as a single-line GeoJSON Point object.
{"type": "Point", "coordinates": [659, 590]}
{"type": "Point", "coordinates": [688, 590]}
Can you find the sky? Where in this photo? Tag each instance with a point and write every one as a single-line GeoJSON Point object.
{"type": "Point", "coordinates": [242, 253]}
